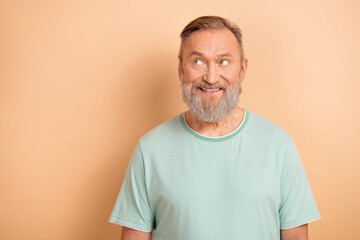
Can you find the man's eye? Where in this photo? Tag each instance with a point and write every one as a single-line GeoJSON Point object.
{"type": "Point", "coordinates": [198, 62]}
{"type": "Point", "coordinates": [224, 62]}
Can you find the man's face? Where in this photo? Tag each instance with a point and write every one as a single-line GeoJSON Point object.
{"type": "Point", "coordinates": [211, 73]}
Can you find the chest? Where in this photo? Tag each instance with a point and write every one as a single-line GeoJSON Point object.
{"type": "Point", "coordinates": [192, 184]}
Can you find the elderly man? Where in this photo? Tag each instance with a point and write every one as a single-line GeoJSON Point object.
{"type": "Point", "coordinates": [217, 171]}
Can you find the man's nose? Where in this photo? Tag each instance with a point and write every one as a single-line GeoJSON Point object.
{"type": "Point", "coordinates": [211, 75]}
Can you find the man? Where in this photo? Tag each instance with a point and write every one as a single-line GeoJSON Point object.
{"type": "Point", "coordinates": [218, 171]}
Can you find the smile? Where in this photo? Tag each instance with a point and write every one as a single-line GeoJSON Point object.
{"type": "Point", "coordinates": [210, 89]}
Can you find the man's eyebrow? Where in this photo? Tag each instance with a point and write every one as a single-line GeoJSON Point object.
{"type": "Point", "coordinates": [197, 53]}
{"type": "Point", "coordinates": [227, 54]}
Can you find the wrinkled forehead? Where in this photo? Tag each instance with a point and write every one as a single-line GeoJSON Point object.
{"type": "Point", "coordinates": [211, 41]}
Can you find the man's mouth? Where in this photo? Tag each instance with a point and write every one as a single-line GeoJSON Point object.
{"type": "Point", "coordinates": [210, 89]}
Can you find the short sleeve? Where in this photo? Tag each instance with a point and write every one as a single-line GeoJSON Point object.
{"type": "Point", "coordinates": [298, 205]}
{"type": "Point", "coordinates": [132, 208]}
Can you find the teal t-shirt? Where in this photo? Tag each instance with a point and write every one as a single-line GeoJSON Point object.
{"type": "Point", "coordinates": [245, 185]}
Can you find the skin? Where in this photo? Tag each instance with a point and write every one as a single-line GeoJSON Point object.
{"type": "Point", "coordinates": [296, 233]}
{"type": "Point", "coordinates": [132, 234]}
{"type": "Point", "coordinates": [213, 56]}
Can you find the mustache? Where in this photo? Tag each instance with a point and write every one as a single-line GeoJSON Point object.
{"type": "Point", "coordinates": [203, 84]}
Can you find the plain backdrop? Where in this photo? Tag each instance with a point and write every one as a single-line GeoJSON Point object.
{"type": "Point", "coordinates": [82, 81]}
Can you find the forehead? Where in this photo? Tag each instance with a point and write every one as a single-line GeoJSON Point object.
{"type": "Point", "coordinates": [210, 42]}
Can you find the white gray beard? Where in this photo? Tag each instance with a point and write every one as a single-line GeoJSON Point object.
{"type": "Point", "coordinates": [203, 108]}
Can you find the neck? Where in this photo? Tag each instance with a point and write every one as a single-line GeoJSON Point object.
{"type": "Point", "coordinates": [219, 128]}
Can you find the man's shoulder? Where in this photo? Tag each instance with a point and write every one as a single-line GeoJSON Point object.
{"type": "Point", "coordinates": [264, 127]}
{"type": "Point", "coordinates": [163, 132]}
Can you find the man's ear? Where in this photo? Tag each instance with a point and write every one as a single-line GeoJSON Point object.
{"type": "Point", "coordinates": [179, 67]}
{"type": "Point", "coordinates": [244, 65]}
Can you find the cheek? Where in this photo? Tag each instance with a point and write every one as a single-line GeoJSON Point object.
{"type": "Point", "coordinates": [191, 75]}
{"type": "Point", "coordinates": [231, 77]}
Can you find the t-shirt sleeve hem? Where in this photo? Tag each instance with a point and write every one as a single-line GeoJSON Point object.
{"type": "Point", "coordinates": [130, 224]}
{"type": "Point", "coordinates": [300, 221]}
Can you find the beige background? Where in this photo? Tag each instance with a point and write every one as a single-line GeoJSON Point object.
{"type": "Point", "coordinates": [82, 81]}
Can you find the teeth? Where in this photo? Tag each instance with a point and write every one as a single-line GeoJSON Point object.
{"type": "Point", "coordinates": [210, 89]}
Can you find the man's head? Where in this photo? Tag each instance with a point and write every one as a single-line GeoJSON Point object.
{"type": "Point", "coordinates": [211, 67]}
{"type": "Point", "coordinates": [211, 23]}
